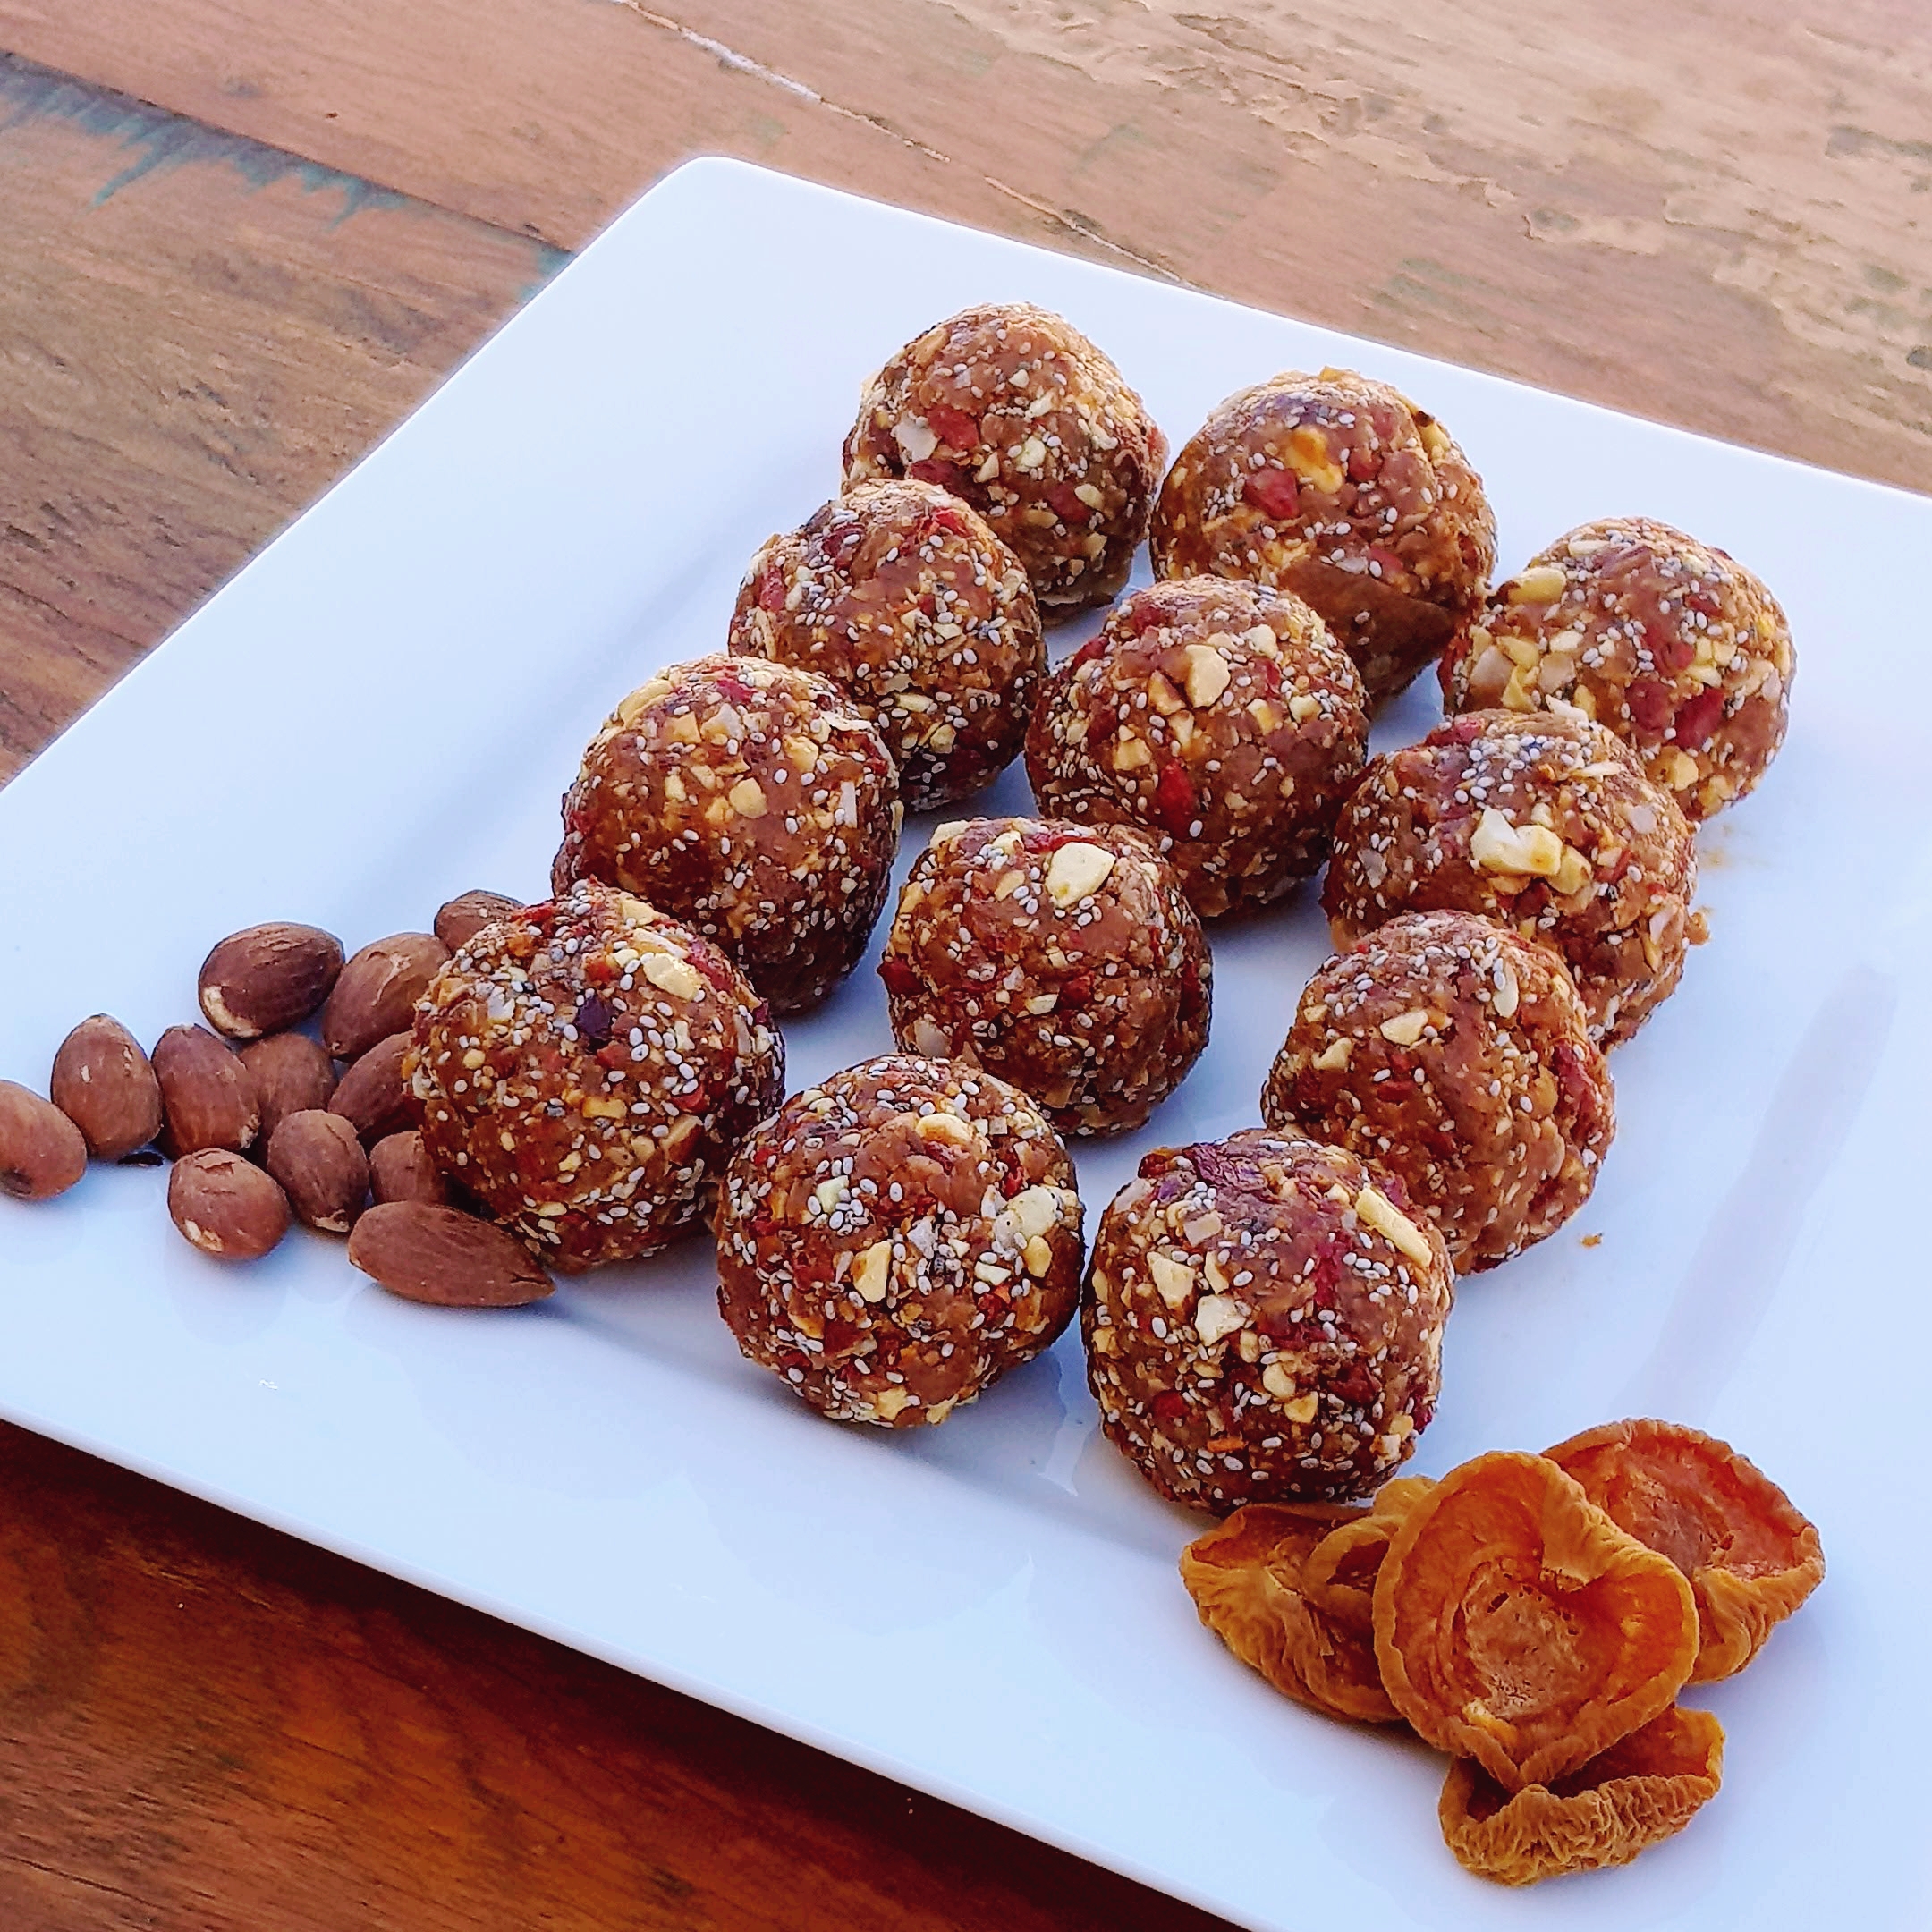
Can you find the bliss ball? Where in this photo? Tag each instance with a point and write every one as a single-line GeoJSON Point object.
{"type": "Point", "coordinates": [1344, 491]}
{"type": "Point", "coordinates": [1220, 718]}
{"type": "Point", "coordinates": [1454, 1052]}
{"type": "Point", "coordinates": [751, 801]}
{"type": "Point", "coordinates": [1544, 821]}
{"type": "Point", "coordinates": [905, 598]}
{"type": "Point", "coordinates": [1012, 408]}
{"type": "Point", "coordinates": [1676, 647]}
{"type": "Point", "coordinates": [896, 1237]}
{"type": "Point", "coordinates": [587, 1067]}
{"type": "Point", "coordinates": [1264, 1321]}
{"type": "Point", "coordinates": [1064, 958]}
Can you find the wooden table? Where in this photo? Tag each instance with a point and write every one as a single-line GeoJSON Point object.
{"type": "Point", "coordinates": [239, 239]}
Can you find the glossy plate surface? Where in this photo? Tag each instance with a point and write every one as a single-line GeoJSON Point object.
{"type": "Point", "coordinates": [382, 710]}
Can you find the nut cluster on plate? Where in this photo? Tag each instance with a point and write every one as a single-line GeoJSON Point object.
{"type": "Point", "coordinates": [561, 1085]}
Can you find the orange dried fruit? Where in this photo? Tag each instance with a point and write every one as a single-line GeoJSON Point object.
{"type": "Point", "coordinates": [1515, 1623]}
{"type": "Point", "coordinates": [1750, 1557]}
{"type": "Point", "coordinates": [1643, 1789]}
{"type": "Point", "coordinates": [1245, 1577]}
{"type": "Point", "coordinates": [1339, 1575]}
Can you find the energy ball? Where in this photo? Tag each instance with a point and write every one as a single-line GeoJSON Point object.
{"type": "Point", "coordinates": [1674, 645]}
{"type": "Point", "coordinates": [1264, 1321]}
{"type": "Point", "coordinates": [1064, 958]}
{"type": "Point", "coordinates": [895, 1238]}
{"type": "Point", "coordinates": [587, 1067]}
{"type": "Point", "coordinates": [751, 801]}
{"type": "Point", "coordinates": [1454, 1054]}
{"type": "Point", "coordinates": [1221, 717]}
{"type": "Point", "coordinates": [1544, 821]}
{"type": "Point", "coordinates": [1012, 408]}
{"type": "Point", "coordinates": [1342, 490]}
{"type": "Point", "coordinates": [902, 596]}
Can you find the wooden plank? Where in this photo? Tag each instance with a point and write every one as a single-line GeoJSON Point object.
{"type": "Point", "coordinates": [199, 332]}
{"type": "Point", "coordinates": [1713, 216]}
{"type": "Point", "coordinates": [206, 1725]}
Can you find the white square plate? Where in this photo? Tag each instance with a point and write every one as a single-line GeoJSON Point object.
{"type": "Point", "coordinates": [382, 709]}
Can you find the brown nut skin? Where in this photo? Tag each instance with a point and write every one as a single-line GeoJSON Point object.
{"type": "Point", "coordinates": [1264, 1319]}
{"type": "Point", "coordinates": [460, 919]}
{"type": "Point", "coordinates": [267, 979]}
{"type": "Point", "coordinates": [208, 1096]}
{"type": "Point", "coordinates": [227, 1206]}
{"type": "Point", "coordinates": [1223, 719]}
{"type": "Point", "coordinates": [895, 1238]}
{"type": "Point", "coordinates": [292, 1073]}
{"type": "Point", "coordinates": [1456, 1055]}
{"type": "Point", "coordinates": [1011, 408]}
{"type": "Point", "coordinates": [1544, 821]}
{"type": "Point", "coordinates": [401, 1170]}
{"type": "Point", "coordinates": [1338, 489]}
{"type": "Point", "coordinates": [903, 597]}
{"type": "Point", "coordinates": [441, 1256]}
{"type": "Point", "coordinates": [375, 1096]}
{"type": "Point", "coordinates": [1673, 644]}
{"type": "Point", "coordinates": [322, 1169]}
{"type": "Point", "coordinates": [377, 992]}
{"type": "Point", "coordinates": [586, 1071]}
{"type": "Point", "coordinates": [1063, 958]}
{"type": "Point", "coordinates": [42, 1152]}
{"type": "Point", "coordinates": [106, 1085]}
{"type": "Point", "coordinates": [752, 801]}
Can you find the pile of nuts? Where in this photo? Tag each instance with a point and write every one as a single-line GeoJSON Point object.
{"type": "Point", "coordinates": [262, 1128]}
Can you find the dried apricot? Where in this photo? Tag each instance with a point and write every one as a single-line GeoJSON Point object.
{"type": "Point", "coordinates": [1245, 1577]}
{"type": "Point", "coordinates": [1515, 1624]}
{"type": "Point", "coordinates": [1750, 1557]}
{"type": "Point", "coordinates": [1644, 1788]}
{"type": "Point", "coordinates": [1339, 1575]}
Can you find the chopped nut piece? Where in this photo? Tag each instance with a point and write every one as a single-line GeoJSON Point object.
{"type": "Point", "coordinates": [1380, 1213]}
{"type": "Point", "coordinates": [1218, 1315]}
{"type": "Point", "coordinates": [1173, 1278]}
{"type": "Point", "coordinates": [872, 1269]}
{"type": "Point", "coordinates": [1207, 674]}
{"type": "Point", "coordinates": [1335, 1057]}
{"type": "Point", "coordinates": [1498, 846]}
{"type": "Point", "coordinates": [1406, 1029]}
{"type": "Point", "coordinates": [1541, 584]}
{"type": "Point", "coordinates": [1076, 872]}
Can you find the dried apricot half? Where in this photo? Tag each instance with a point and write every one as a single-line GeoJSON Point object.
{"type": "Point", "coordinates": [1516, 1624]}
{"type": "Point", "coordinates": [1339, 1575]}
{"type": "Point", "coordinates": [1750, 1557]}
{"type": "Point", "coordinates": [1245, 1577]}
{"type": "Point", "coordinates": [1644, 1788]}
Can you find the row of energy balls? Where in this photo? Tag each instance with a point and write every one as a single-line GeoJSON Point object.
{"type": "Point", "coordinates": [1263, 1315]}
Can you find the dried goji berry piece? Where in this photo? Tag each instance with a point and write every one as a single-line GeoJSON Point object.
{"type": "Point", "coordinates": [1750, 1557]}
{"type": "Point", "coordinates": [1515, 1623]}
{"type": "Point", "coordinates": [1644, 1788]}
{"type": "Point", "coordinates": [1339, 1575]}
{"type": "Point", "coordinates": [1245, 1577]}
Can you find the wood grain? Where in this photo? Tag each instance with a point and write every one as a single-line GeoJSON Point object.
{"type": "Point", "coordinates": [206, 1725]}
{"type": "Point", "coordinates": [241, 238]}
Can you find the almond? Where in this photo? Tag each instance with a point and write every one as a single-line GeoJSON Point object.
{"type": "Point", "coordinates": [292, 1073]}
{"type": "Point", "coordinates": [440, 1255]}
{"type": "Point", "coordinates": [401, 1170]}
{"type": "Point", "coordinates": [377, 992]}
{"type": "Point", "coordinates": [106, 1085]}
{"type": "Point", "coordinates": [207, 1096]}
{"type": "Point", "coordinates": [267, 979]}
{"type": "Point", "coordinates": [322, 1168]}
{"type": "Point", "coordinates": [226, 1207]}
{"type": "Point", "coordinates": [463, 917]}
{"type": "Point", "coordinates": [374, 1097]}
{"type": "Point", "coordinates": [42, 1153]}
